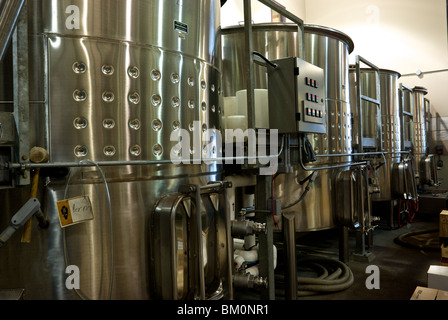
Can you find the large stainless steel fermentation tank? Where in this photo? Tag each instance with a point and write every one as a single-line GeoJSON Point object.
{"type": "Point", "coordinates": [425, 162]}
{"type": "Point", "coordinates": [116, 79]}
{"type": "Point", "coordinates": [328, 49]}
{"type": "Point", "coordinates": [125, 103]}
{"type": "Point", "coordinates": [380, 130]}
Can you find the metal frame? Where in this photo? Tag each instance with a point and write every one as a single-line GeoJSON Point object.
{"type": "Point", "coordinates": [368, 142]}
{"type": "Point", "coordinates": [21, 92]}
{"type": "Point", "coordinates": [427, 110]}
{"type": "Point", "coordinates": [196, 241]}
{"type": "Point", "coordinates": [406, 144]}
{"type": "Point", "coordinates": [263, 187]}
{"type": "Point", "coordinates": [249, 49]}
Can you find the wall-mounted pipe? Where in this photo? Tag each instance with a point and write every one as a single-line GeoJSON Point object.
{"type": "Point", "coordinates": [335, 166]}
{"type": "Point", "coordinates": [9, 14]}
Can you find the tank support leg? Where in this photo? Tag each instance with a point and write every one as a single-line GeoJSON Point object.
{"type": "Point", "coordinates": [266, 241]}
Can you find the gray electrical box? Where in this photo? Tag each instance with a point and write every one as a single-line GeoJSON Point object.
{"type": "Point", "coordinates": [296, 97]}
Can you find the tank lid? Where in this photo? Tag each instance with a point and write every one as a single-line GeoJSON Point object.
{"type": "Point", "coordinates": [330, 32]}
{"type": "Point", "coordinates": [421, 89]}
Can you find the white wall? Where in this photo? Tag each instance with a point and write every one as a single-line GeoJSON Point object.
{"type": "Point", "coordinates": [232, 12]}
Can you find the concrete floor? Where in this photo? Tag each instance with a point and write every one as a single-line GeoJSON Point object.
{"type": "Point", "coordinates": [401, 269]}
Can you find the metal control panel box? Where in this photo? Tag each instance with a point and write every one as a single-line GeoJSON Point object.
{"type": "Point", "coordinates": [296, 97]}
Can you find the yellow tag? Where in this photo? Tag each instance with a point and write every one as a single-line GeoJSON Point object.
{"type": "Point", "coordinates": [74, 211]}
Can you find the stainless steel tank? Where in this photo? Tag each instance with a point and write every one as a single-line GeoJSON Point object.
{"type": "Point", "coordinates": [328, 49]}
{"type": "Point", "coordinates": [390, 125]}
{"type": "Point", "coordinates": [272, 40]}
{"type": "Point", "coordinates": [420, 143]}
{"type": "Point", "coordinates": [119, 77]}
{"type": "Point", "coordinates": [407, 111]}
{"type": "Point", "coordinates": [425, 163]}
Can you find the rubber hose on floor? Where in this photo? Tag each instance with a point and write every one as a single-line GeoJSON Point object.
{"type": "Point", "coordinates": [334, 276]}
{"type": "Point", "coordinates": [403, 240]}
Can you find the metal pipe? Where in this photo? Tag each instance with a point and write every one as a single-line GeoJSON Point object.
{"type": "Point", "coordinates": [361, 98]}
{"type": "Point", "coordinates": [263, 191]}
{"type": "Point", "coordinates": [360, 154]}
{"type": "Point", "coordinates": [249, 64]}
{"type": "Point", "coordinates": [349, 164]}
{"type": "Point", "coordinates": [21, 88]}
{"type": "Point", "coordinates": [9, 15]}
{"type": "Point", "coordinates": [198, 241]}
{"type": "Point", "coordinates": [291, 259]}
{"type": "Point", "coordinates": [274, 6]}
{"type": "Point", "coordinates": [27, 166]}
{"type": "Point", "coordinates": [423, 73]}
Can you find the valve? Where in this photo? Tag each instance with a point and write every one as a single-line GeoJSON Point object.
{"type": "Point", "coordinates": [247, 280]}
{"type": "Point", "coordinates": [242, 228]}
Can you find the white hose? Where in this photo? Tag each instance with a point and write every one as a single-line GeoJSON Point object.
{"type": "Point", "coordinates": [242, 256]}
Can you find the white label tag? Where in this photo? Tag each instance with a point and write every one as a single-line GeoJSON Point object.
{"type": "Point", "coordinates": [74, 211]}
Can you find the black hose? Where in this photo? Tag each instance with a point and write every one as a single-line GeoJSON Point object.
{"type": "Point", "coordinates": [310, 179]}
{"type": "Point", "coordinates": [308, 153]}
{"type": "Point", "coordinates": [403, 240]}
{"type": "Point", "coordinates": [273, 65]}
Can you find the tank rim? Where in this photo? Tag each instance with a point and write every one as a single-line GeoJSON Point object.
{"type": "Point", "coordinates": [325, 31]}
{"type": "Point", "coordinates": [352, 67]}
{"type": "Point", "coordinates": [421, 89]}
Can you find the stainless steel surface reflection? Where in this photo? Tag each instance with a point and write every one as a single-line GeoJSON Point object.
{"type": "Point", "coordinates": [119, 77]}
{"type": "Point", "coordinates": [391, 127]}
{"type": "Point", "coordinates": [272, 40]}
{"type": "Point", "coordinates": [420, 130]}
{"type": "Point", "coordinates": [391, 132]}
{"type": "Point", "coordinates": [328, 49]}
